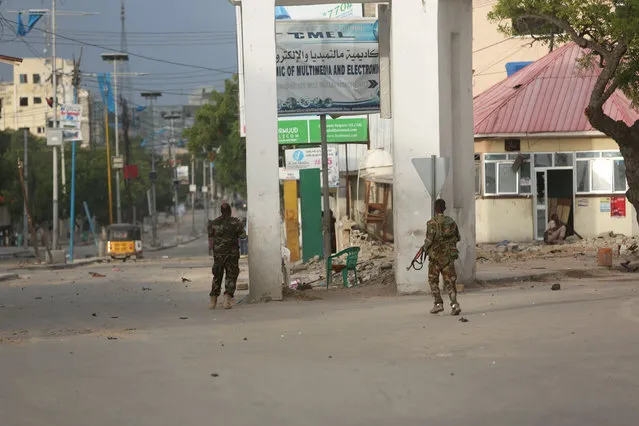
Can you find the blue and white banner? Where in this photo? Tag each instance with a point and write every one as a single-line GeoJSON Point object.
{"type": "Point", "coordinates": [71, 122]}
{"type": "Point", "coordinates": [326, 67]}
{"type": "Point", "coordinates": [320, 11]}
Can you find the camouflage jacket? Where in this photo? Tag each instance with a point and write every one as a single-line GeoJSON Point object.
{"type": "Point", "coordinates": [226, 231]}
{"type": "Point", "coordinates": [442, 236]}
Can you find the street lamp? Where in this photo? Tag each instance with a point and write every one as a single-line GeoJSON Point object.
{"type": "Point", "coordinates": [151, 96]}
{"type": "Point", "coordinates": [115, 58]}
{"type": "Point", "coordinates": [171, 117]}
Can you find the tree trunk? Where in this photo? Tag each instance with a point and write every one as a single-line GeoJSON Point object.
{"type": "Point", "coordinates": [630, 153]}
{"type": "Point", "coordinates": [626, 137]}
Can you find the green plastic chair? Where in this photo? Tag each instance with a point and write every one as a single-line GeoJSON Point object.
{"type": "Point", "coordinates": [351, 265]}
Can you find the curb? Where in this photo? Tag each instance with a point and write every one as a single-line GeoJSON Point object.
{"type": "Point", "coordinates": [7, 277]}
{"type": "Point", "coordinates": [58, 266]}
{"type": "Point", "coordinates": [532, 277]}
{"type": "Point", "coordinates": [155, 249]}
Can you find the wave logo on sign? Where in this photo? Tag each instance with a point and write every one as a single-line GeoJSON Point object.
{"type": "Point", "coordinates": [298, 155]}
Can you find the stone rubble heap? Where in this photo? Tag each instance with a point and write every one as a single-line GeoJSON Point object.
{"type": "Point", "coordinates": [620, 245]}
{"type": "Point", "coordinates": [374, 265]}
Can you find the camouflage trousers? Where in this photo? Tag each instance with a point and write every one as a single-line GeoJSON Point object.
{"type": "Point", "coordinates": [450, 280]}
{"type": "Point", "coordinates": [225, 266]}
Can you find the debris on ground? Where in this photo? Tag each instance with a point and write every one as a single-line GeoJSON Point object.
{"type": "Point", "coordinates": [463, 319]}
{"type": "Point", "coordinates": [305, 294]}
{"type": "Point", "coordinates": [97, 275]}
{"type": "Point", "coordinates": [146, 288]}
{"type": "Point", "coordinates": [555, 287]}
{"type": "Point", "coordinates": [626, 266]}
{"type": "Point", "coordinates": [214, 375]}
{"type": "Point", "coordinates": [184, 318]}
{"type": "Point", "coordinates": [112, 338]}
{"type": "Point", "coordinates": [375, 266]}
{"type": "Point", "coordinates": [186, 280]}
{"type": "Point", "coordinates": [621, 245]}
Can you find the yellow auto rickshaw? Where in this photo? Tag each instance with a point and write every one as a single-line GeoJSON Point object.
{"type": "Point", "coordinates": [124, 241]}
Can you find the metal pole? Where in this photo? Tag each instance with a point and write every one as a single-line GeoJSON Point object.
{"type": "Point", "coordinates": [25, 218]}
{"type": "Point", "coordinates": [54, 238]}
{"type": "Point", "coordinates": [154, 219]}
{"type": "Point", "coordinates": [175, 179]}
{"type": "Point", "coordinates": [205, 194]}
{"type": "Point", "coordinates": [193, 195]}
{"type": "Point", "coordinates": [325, 196]}
{"type": "Point", "coordinates": [72, 209]}
{"type": "Point", "coordinates": [117, 143]}
{"type": "Point", "coordinates": [108, 152]}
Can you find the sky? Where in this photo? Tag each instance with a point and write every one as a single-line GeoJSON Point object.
{"type": "Point", "coordinates": [198, 33]}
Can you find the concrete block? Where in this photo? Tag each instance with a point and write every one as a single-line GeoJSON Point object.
{"type": "Point", "coordinates": [56, 256]}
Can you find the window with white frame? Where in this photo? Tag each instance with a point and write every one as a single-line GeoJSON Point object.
{"type": "Point", "coordinates": [601, 172]}
{"type": "Point", "coordinates": [507, 174]}
{"type": "Point", "coordinates": [477, 174]}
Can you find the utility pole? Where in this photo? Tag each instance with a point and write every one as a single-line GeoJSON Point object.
{"type": "Point", "coordinates": [115, 58]}
{"type": "Point", "coordinates": [151, 96]}
{"type": "Point", "coordinates": [25, 174]}
{"type": "Point", "coordinates": [193, 194]}
{"type": "Point", "coordinates": [205, 194]}
{"type": "Point", "coordinates": [56, 224]}
{"type": "Point", "coordinates": [176, 182]}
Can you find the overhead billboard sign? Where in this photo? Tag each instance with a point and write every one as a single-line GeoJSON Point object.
{"type": "Point", "coordinates": [327, 67]}
{"type": "Point", "coordinates": [311, 158]}
{"type": "Point", "coordinates": [307, 131]}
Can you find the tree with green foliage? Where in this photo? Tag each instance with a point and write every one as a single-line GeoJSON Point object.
{"type": "Point", "coordinates": [217, 128]}
{"type": "Point", "coordinates": [608, 30]}
{"type": "Point", "coordinates": [91, 180]}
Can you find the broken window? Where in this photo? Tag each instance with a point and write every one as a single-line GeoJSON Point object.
{"type": "Point", "coordinates": [23, 79]}
{"type": "Point", "coordinates": [36, 79]}
{"type": "Point", "coordinates": [507, 174]}
{"type": "Point", "coordinates": [477, 177]}
{"type": "Point", "coordinates": [24, 102]}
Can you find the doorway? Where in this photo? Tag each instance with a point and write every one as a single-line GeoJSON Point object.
{"type": "Point", "coordinates": [554, 194]}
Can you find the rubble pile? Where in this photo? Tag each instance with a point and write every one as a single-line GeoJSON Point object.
{"type": "Point", "coordinates": [506, 251]}
{"type": "Point", "coordinates": [374, 264]}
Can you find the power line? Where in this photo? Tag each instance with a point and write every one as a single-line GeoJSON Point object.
{"type": "Point", "coordinates": [137, 55]}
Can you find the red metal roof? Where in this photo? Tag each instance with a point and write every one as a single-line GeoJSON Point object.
{"type": "Point", "coordinates": [548, 96]}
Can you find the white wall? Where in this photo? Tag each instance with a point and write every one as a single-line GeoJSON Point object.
{"type": "Point", "coordinates": [499, 219]}
{"type": "Point", "coordinates": [590, 221]}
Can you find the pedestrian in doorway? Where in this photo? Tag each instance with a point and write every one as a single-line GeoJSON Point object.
{"type": "Point", "coordinates": [442, 236]}
{"type": "Point", "coordinates": [555, 231]}
{"type": "Point", "coordinates": [226, 232]}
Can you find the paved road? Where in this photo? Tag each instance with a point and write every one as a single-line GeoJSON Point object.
{"type": "Point", "coordinates": [527, 356]}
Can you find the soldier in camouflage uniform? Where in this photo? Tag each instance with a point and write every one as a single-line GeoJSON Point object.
{"type": "Point", "coordinates": [442, 236]}
{"type": "Point", "coordinates": [226, 232]}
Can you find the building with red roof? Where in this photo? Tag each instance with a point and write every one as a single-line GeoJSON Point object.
{"type": "Point", "coordinates": [537, 154]}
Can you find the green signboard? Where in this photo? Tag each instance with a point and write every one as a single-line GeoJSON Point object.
{"type": "Point", "coordinates": [342, 130]}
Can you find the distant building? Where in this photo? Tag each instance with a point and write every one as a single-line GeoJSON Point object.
{"type": "Point", "coordinates": [23, 102]}
{"type": "Point", "coordinates": [201, 96]}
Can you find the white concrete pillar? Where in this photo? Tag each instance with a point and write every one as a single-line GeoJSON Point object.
{"type": "Point", "coordinates": [427, 120]}
{"type": "Point", "coordinates": [258, 30]}
{"type": "Point", "coordinates": [456, 124]}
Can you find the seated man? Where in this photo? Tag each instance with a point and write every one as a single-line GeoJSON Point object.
{"type": "Point", "coordinates": [555, 231]}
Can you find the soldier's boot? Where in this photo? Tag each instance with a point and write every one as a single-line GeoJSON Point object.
{"type": "Point", "coordinates": [455, 309]}
{"type": "Point", "coordinates": [439, 307]}
{"type": "Point", "coordinates": [228, 301]}
{"type": "Point", "coordinates": [213, 302]}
